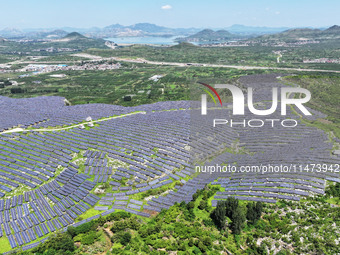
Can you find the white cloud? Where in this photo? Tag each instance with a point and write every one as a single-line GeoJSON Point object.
{"type": "Point", "coordinates": [277, 13]}
{"type": "Point", "coordinates": [166, 7]}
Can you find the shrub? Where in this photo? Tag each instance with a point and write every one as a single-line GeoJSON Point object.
{"type": "Point", "coordinates": [118, 226]}
{"type": "Point", "coordinates": [203, 205]}
{"type": "Point", "coordinates": [196, 251]}
{"type": "Point", "coordinates": [60, 242]}
{"type": "Point", "coordinates": [207, 241]}
{"type": "Point", "coordinates": [125, 238]}
{"type": "Point", "coordinates": [202, 247]}
{"type": "Point", "coordinates": [90, 238]}
{"type": "Point", "coordinates": [208, 222]}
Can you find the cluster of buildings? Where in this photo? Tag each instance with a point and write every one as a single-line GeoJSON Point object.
{"type": "Point", "coordinates": [96, 66]}
{"type": "Point", "coordinates": [230, 44]}
{"type": "Point", "coordinates": [42, 68]}
{"type": "Point", "coordinates": [289, 44]}
{"type": "Point", "coordinates": [52, 49]}
{"type": "Point", "coordinates": [322, 60]}
{"type": "Point", "coordinates": [270, 43]}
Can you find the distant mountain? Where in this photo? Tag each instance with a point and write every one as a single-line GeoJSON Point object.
{"type": "Point", "coordinates": [76, 40]}
{"type": "Point", "coordinates": [11, 32]}
{"type": "Point", "coordinates": [118, 30]}
{"type": "Point", "coordinates": [249, 30]}
{"type": "Point", "coordinates": [209, 35]}
{"type": "Point", "coordinates": [297, 33]}
{"type": "Point", "coordinates": [334, 30]}
{"type": "Point", "coordinates": [55, 34]}
{"type": "Point", "coordinates": [304, 33]}
{"type": "Point", "coordinates": [151, 28]}
{"type": "Point", "coordinates": [74, 36]}
{"type": "Point", "coordinates": [141, 29]}
{"type": "Point", "coordinates": [148, 29]}
{"type": "Point", "coordinates": [113, 27]}
{"type": "Point", "coordinates": [182, 45]}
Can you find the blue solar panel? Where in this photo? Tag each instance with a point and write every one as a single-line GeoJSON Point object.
{"type": "Point", "coordinates": [51, 226]}
{"type": "Point", "coordinates": [12, 241]}
{"type": "Point", "coordinates": [21, 224]}
{"type": "Point", "coordinates": [26, 210]}
{"type": "Point", "coordinates": [34, 219]}
{"type": "Point", "coordinates": [80, 208]}
{"type": "Point", "coordinates": [7, 217]}
{"type": "Point", "coordinates": [38, 231]}
{"type": "Point", "coordinates": [40, 217]}
{"type": "Point", "coordinates": [68, 219]}
{"type": "Point", "coordinates": [13, 213]}
{"type": "Point", "coordinates": [56, 223]}
{"type": "Point", "coordinates": [25, 236]}
{"type": "Point", "coordinates": [44, 228]}
{"type": "Point", "coordinates": [72, 214]}
{"type": "Point", "coordinates": [19, 211]}
{"type": "Point", "coordinates": [7, 229]}
{"type": "Point", "coordinates": [32, 234]}
{"type": "Point", "coordinates": [63, 221]}
{"type": "Point", "coordinates": [28, 221]}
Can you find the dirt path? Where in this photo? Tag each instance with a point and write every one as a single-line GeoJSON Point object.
{"type": "Point", "coordinates": [16, 130]}
{"type": "Point", "coordinates": [108, 241]}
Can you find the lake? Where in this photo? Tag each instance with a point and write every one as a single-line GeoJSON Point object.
{"type": "Point", "coordinates": [144, 40]}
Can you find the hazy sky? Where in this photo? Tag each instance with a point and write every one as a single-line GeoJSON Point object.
{"type": "Point", "coordinates": [170, 13]}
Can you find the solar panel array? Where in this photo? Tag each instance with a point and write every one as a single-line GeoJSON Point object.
{"type": "Point", "coordinates": [138, 153]}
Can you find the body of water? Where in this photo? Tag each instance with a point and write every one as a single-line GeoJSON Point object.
{"type": "Point", "coordinates": [144, 40]}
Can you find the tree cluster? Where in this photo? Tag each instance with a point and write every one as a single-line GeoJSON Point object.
{"type": "Point", "coordinates": [232, 209]}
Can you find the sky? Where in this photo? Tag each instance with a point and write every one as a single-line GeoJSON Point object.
{"type": "Point", "coordinates": [170, 13]}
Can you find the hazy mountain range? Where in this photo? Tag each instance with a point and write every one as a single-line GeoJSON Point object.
{"type": "Point", "coordinates": [332, 32]}
{"type": "Point", "coordinates": [140, 29]}
{"type": "Point", "coordinates": [115, 30]}
{"type": "Point", "coordinates": [235, 32]}
{"type": "Point", "coordinates": [295, 34]}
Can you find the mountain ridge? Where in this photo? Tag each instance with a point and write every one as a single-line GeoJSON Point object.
{"type": "Point", "coordinates": [144, 29]}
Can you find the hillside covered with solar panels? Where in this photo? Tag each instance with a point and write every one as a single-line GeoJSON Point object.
{"type": "Point", "coordinates": [62, 166]}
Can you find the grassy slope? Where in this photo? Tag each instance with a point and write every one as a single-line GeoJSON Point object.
{"type": "Point", "coordinates": [325, 90]}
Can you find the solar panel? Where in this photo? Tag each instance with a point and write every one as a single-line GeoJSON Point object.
{"type": "Point", "coordinates": [12, 241]}
{"type": "Point", "coordinates": [44, 228]}
{"type": "Point", "coordinates": [38, 231]}
{"type": "Point", "coordinates": [32, 234]}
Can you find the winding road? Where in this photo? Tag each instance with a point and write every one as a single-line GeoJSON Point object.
{"type": "Point", "coordinates": [144, 61]}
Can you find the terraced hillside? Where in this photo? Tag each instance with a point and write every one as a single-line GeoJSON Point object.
{"type": "Point", "coordinates": [60, 168]}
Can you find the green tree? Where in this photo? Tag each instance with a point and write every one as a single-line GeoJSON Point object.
{"type": "Point", "coordinates": [219, 214]}
{"type": "Point", "coordinates": [72, 231]}
{"type": "Point", "coordinates": [237, 220]}
{"type": "Point", "coordinates": [251, 213]}
{"type": "Point", "coordinates": [258, 210]}
{"type": "Point", "coordinates": [231, 205]}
